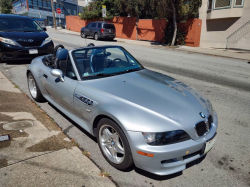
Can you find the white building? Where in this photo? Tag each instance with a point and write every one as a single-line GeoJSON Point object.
{"type": "Point", "coordinates": [225, 23]}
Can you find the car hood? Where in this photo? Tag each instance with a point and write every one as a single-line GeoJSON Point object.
{"type": "Point", "coordinates": [158, 93]}
{"type": "Point", "coordinates": [36, 36]}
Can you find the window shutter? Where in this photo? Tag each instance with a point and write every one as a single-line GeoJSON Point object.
{"type": "Point", "coordinates": [222, 3]}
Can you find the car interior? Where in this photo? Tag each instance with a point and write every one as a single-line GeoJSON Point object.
{"type": "Point", "coordinates": [88, 60]}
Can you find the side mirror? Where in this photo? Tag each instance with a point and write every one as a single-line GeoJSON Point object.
{"type": "Point", "coordinates": [44, 29]}
{"type": "Point", "coordinates": [57, 73]}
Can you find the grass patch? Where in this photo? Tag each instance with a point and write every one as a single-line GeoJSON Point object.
{"type": "Point", "coordinates": [105, 174]}
{"type": "Point", "coordinates": [86, 153]}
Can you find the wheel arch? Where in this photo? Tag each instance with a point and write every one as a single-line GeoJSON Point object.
{"type": "Point", "coordinates": [27, 72]}
{"type": "Point", "coordinates": [101, 116]}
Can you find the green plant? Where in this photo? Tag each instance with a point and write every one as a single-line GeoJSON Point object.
{"type": "Point", "coordinates": [169, 32]}
{"type": "Point", "coordinates": [105, 174]}
{"type": "Point", "coordinates": [6, 6]}
{"type": "Point", "coordinates": [86, 153]}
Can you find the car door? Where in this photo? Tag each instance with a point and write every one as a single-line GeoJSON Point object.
{"type": "Point", "coordinates": [87, 29]}
{"type": "Point", "coordinates": [93, 28]}
{"type": "Point", "coordinates": [83, 101]}
{"type": "Point", "coordinates": [61, 92]}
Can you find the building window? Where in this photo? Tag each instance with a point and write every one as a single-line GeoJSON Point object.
{"type": "Point", "coordinates": [238, 3]}
{"type": "Point", "coordinates": [210, 3]}
{"type": "Point", "coordinates": [75, 12]}
{"type": "Point", "coordinates": [222, 4]}
{"type": "Point", "coordinates": [69, 11]}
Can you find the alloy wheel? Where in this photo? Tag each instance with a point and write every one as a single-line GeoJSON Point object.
{"type": "Point", "coordinates": [32, 86]}
{"type": "Point", "coordinates": [111, 144]}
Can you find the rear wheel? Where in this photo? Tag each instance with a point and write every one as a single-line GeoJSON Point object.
{"type": "Point", "coordinates": [83, 35]}
{"type": "Point", "coordinates": [34, 89]}
{"type": "Point", "coordinates": [96, 36]}
{"type": "Point", "coordinates": [114, 144]}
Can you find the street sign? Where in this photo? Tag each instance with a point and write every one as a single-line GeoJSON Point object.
{"type": "Point", "coordinates": [58, 11]}
{"type": "Point", "coordinates": [104, 11]}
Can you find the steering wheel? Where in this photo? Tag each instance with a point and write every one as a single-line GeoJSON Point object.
{"type": "Point", "coordinates": [112, 63]}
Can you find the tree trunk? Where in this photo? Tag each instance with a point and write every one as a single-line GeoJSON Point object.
{"type": "Point", "coordinates": [174, 22]}
{"type": "Point", "coordinates": [137, 22]}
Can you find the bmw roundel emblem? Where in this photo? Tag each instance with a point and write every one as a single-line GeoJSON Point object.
{"type": "Point", "coordinates": [202, 115]}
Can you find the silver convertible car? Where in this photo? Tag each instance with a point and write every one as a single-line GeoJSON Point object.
{"type": "Point", "coordinates": [138, 116]}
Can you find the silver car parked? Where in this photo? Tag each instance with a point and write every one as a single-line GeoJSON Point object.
{"type": "Point", "coordinates": [137, 115]}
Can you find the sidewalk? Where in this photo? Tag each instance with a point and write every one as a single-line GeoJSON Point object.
{"type": "Point", "coordinates": [243, 55]}
{"type": "Point", "coordinates": [38, 153]}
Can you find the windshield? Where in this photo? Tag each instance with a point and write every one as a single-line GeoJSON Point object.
{"type": "Point", "coordinates": [108, 26]}
{"type": "Point", "coordinates": [105, 61]}
{"type": "Point", "coordinates": [14, 24]}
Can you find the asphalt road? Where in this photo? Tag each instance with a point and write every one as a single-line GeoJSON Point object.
{"type": "Point", "coordinates": [225, 81]}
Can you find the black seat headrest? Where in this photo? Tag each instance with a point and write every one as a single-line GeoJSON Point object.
{"type": "Point", "coordinates": [62, 54]}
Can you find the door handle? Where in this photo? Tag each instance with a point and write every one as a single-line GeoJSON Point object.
{"type": "Point", "coordinates": [45, 76]}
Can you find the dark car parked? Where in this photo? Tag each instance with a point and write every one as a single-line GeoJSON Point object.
{"type": "Point", "coordinates": [22, 38]}
{"type": "Point", "coordinates": [99, 30]}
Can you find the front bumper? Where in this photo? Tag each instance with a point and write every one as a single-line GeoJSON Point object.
{"type": "Point", "coordinates": [13, 53]}
{"type": "Point", "coordinates": [168, 159]}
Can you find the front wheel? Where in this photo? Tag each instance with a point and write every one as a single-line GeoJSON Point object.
{"type": "Point", "coordinates": [96, 36]}
{"type": "Point", "coordinates": [83, 35]}
{"type": "Point", "coordinates": [114, 144]}
{"type": "Point", "coordinates": [34, 89]}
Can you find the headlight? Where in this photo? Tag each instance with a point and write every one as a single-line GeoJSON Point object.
{"type": "Point", "coordinates": [165, 138]}
{"type": "Point", "coordinates": [47, 40]}
{"type": "Point", "coordinates": [8, 41]}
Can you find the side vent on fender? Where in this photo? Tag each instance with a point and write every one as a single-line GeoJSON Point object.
{"type": "Point", "coordinates": [85, 100]}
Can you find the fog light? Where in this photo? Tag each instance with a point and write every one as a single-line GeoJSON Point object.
{"type": "Point", "coordinates": [145, 154]}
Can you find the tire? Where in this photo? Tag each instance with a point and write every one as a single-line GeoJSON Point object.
{"type": "Point", "coordinates": [96, 36]}
{"type": "Point", "coordinates": [118, 142]}
{"type": "Point", "coordinates": [83, 35]}
{"type": "Point", "coordinates": [34, 89]}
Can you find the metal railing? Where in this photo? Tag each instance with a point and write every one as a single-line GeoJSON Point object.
{"type": "Point", "coordinates": [238, 34]}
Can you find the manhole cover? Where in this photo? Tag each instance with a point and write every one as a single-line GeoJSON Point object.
{"type": "Point", "coordinates": [19, 125]}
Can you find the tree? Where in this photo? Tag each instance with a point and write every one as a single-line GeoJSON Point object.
{"type": "Point", "coordinates": [177, 11]}
{"type": "Point", "coordinates": [6, 6]}
{"type": "Point", "coordinates": [94, 10]}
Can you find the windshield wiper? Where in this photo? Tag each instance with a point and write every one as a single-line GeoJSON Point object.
{"type": "Point", "coordinates": [32, 31]}
{"type": "Point", "coordinates": [98, 74]}
{"type": "Point", "coordinates": [102, 74]}
{"type": "Point", "coordinates": [128, 70]}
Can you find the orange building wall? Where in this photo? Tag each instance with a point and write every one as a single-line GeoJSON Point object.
{"type": "Point", "coordinates": [148, 29]}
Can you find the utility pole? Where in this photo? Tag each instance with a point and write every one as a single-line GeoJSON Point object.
{"type": "Point", "coordinates": [53, 12]}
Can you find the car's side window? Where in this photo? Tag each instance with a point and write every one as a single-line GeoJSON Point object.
{"type": "Point", "coordinates": [99, 25]}
{"type": "Point", "coordinates": [70, 72]}
{"type": "Point", "coordinates": [94, 25]}
{"type": "Point", "coordinates": [89, 25]}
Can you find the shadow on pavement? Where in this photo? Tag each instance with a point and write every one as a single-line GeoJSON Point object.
{"type": "Point", "coordinates": [73, 124]}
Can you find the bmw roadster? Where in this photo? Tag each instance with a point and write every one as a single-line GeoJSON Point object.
{"type": "Point", "coordinates": [138, 116]}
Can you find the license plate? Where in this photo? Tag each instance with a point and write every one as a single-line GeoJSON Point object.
{"type": "Point", "coordinates": [33, 51]}
{"type": "Point", "coordinates": [4, 138]}
{"type": "Point", "coordinates": [209, 145]}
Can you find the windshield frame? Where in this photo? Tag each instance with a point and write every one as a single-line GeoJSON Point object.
{"type": "Point", "coordinates": [99, 75]}
{"type": "Point", "coordinates": [23, 30]}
